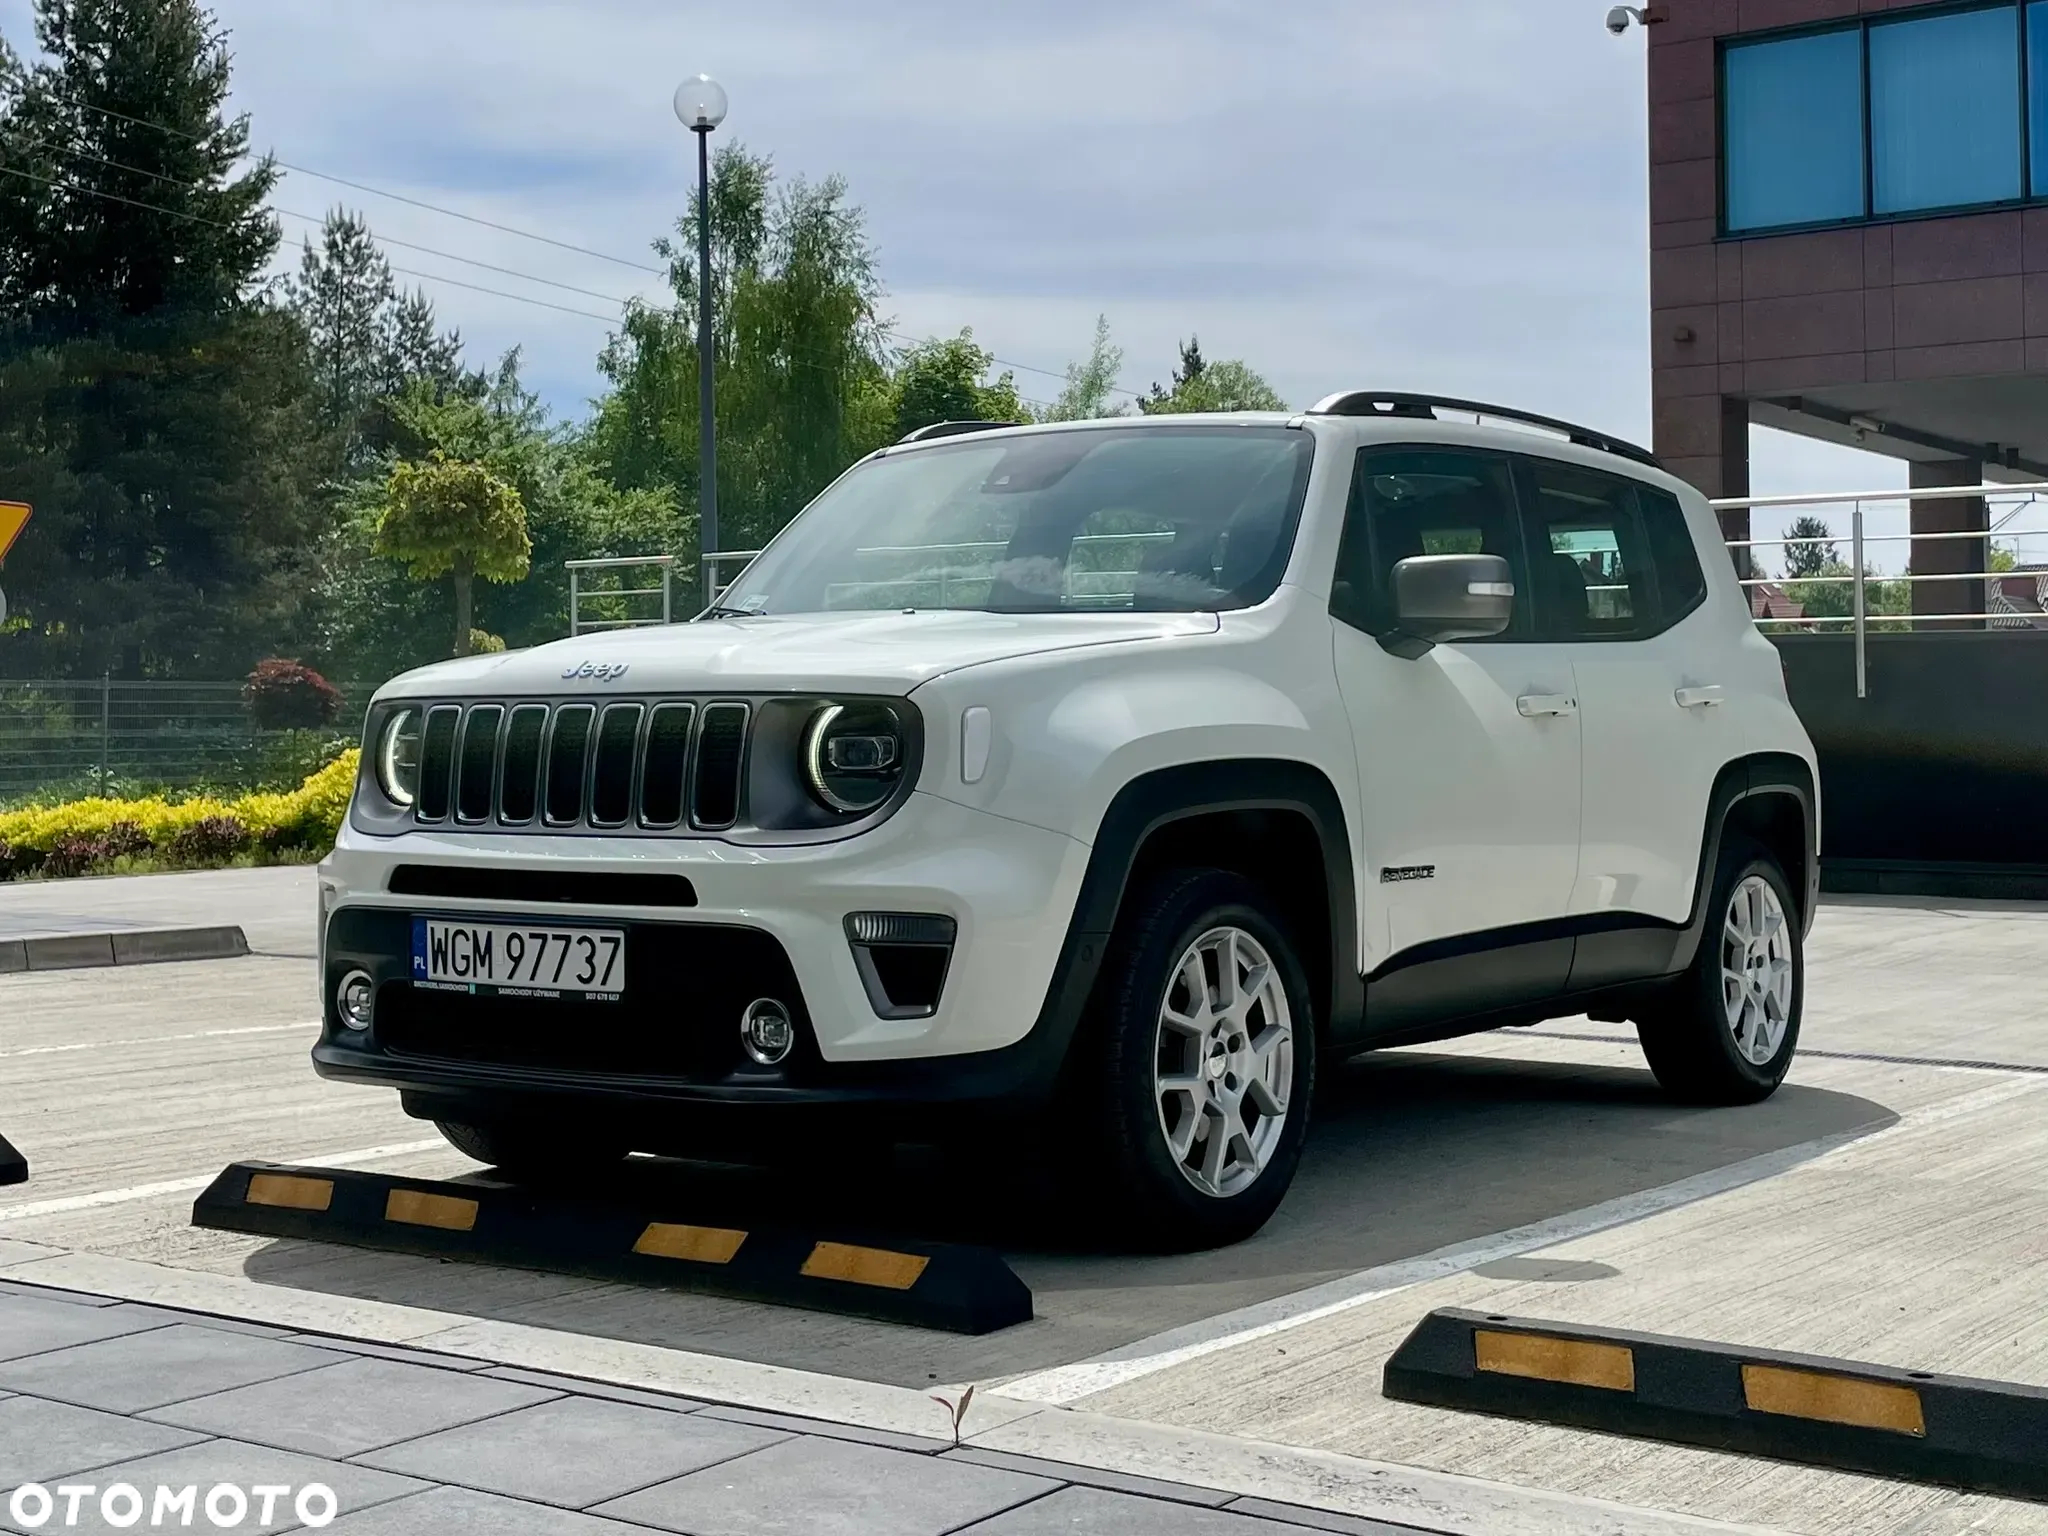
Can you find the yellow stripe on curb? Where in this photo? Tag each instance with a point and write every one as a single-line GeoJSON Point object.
{"type": "Point", "coordinates": [1833, 1399]}
{"type": "Point", "coordinates": [1542, 1357]}
{"type": "Point", "coordinates": [878, 1267]}
{"type": "Point", "coordinates": [417, 1208]}
{"type": "Point", "coordinates": [290, 1192]}
{"type": "Point", "coordinates": [700, 1245]}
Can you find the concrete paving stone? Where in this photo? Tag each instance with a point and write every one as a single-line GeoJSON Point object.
{"type": "Point", "coordinates": [924, 1445]}
{"type": "Point", "coordinates": [42, 1440]}
{"type": "Point", "coordinates": [14, 1251]}
{"type": "Point", "coordinates": [398, 1352]}
{"type": "Point", "coordinates": [343, 1410]}
{"type": "Point", "coordinates": [45, 1293]}
{"type": "Point", "coordinates": [167, 1316]}
{"type": "Point", "coordinates": [805, 1486]}
{"type": "Point", "coordinates": [155, 1369]}
{"type": "Point", "coordinates": [1090, 1477]}
{"type": "Point", "coordinates": [460, 1512]}
{"type": "Point", "coordinates": [575, 1451]}
{"type": "Point", "coordinates": [211, 1462]}
{"type": "Point", "coordinates": [1292, 1515]}
{"type": "Point", "coordinates": [1099, 1512]}
{"type": "Point", "coordinates": [31, 1325]}
{"type": "Point", "coordinates": [667, 1401]}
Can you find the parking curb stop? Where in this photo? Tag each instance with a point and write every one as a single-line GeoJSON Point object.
{"type": "Point", "coordinates": [583, 1227]}
{"type": "Point", "coordinates": [121, 946]}
{"type": "Point", "coordinates": [13, 1166]}
{"type": "Point", "coordinates": [1954, 1431]}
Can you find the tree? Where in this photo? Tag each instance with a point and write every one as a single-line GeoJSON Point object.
{"type": "Point", "coordinates": [942, 380]}
{"type": "Point", "coordinates": [367, 339]}
{"type": "Point", "coordinates": [802, 389]}
{"type": "Point", "coordinates": [152, 405]}
{"type": "Point", "coordinates": [1805, 560]}
{"type": "Point", "coordinates": [453, 517]}
{"type": "Point", "coordinates": [1092, 381]}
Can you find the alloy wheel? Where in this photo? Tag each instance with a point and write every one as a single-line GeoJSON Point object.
{"type": "Point", "coordinates": [1223, 1067]}
{"type": "Point", "coordinates": [1756, 969]}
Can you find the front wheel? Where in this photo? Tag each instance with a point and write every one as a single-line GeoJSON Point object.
{"type": "Point", "coordinates": [531, 1152]}
{"type": "Point", "coordinates": [1199, 1063]}
{"type": "Point", "coordinates": [1726, 1031]}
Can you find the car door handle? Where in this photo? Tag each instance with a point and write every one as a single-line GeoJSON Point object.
{"type": "Point", "coordinates": [1700, 698]}
{"type": "Point", "coordinates": [1537, 705]}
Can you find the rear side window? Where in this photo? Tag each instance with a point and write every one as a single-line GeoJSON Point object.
{"type": "Point", "coordinates": [1590, 564]}
{"type": "Point", "coordinates": [1681, 584]}
{"type": "Point", "coordinates": [1421, 501]}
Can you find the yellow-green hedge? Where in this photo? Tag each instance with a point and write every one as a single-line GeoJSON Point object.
{"type": "Point", "coordinates": [305, 819]}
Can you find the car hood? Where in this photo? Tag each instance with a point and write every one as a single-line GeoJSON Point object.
{"type": "Point", "coordinates": [875, 652]}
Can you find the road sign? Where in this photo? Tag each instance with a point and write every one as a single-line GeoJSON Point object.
{"type": "Point", "coordinates": [14, 517]}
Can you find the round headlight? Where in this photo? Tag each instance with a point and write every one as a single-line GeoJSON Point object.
{"type": "Point", "coordinates": [397, 757]}
{"type": "Point", "coordinates": [853, 757]}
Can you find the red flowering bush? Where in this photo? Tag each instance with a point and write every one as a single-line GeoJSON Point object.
{"type": "Point", "coordinates": [285, 695]}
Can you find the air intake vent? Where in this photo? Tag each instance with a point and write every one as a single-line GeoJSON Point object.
{"type": "Point", "coordinates": [611, 785]}
{"type": "Point", "coordinates": [519, 798]}
{"type": "Point", "coordinates": [479, 762]}
{"type": "Point", "coordinates": [721, 750]}
{"type": "Point", "coordinates": [661, 771]}
{"type": "Point", "coordinates": [568, 750]}
{"type": "Point", "coordinates": [437, 763]}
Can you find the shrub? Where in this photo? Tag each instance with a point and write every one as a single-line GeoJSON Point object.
{"type": "Point", "coordinates": [285, 695]}
{"type": "Point", "coordinates": [73, 838]}
{"type": "Point", "coordinates": [214, 840]}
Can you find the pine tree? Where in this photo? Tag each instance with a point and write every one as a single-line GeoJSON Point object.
{"type": "Point", "coordinates": [153, 405]}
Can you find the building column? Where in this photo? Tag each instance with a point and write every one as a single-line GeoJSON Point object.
{"type": "Point", "coordinates": [1734, 451]}
{"type": "Point", "coordinates": [1962, 514]}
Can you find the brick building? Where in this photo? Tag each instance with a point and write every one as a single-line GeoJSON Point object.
{"type": "Point", "coordinates": [1849, 234]}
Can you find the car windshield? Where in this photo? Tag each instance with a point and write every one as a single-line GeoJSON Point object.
{"type": "Point", "coordinates": [1155, 518]}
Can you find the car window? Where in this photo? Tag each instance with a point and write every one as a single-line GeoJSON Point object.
{"type": "Point", "coordinates": [1421, 501]}
{"type": "Point", "coordinates": [1681, 583]}
{"type": "Point", "coordinates": [1590, 574]}
{"type": "Point", "coordinates": [1158, 518]}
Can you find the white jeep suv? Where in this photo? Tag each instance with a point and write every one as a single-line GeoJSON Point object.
{"type": "Point", "coordinates": [1121, 771]}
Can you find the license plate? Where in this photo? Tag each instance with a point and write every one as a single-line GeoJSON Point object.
{"type": "Point", "coordinates": [519, 960]}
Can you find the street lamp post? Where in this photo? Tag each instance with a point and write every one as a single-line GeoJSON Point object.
{"type": "Point", "coordinates": [700, 105]}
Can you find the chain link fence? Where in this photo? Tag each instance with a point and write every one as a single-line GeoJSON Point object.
{"type": "Point", "coordinates": [62, 739]}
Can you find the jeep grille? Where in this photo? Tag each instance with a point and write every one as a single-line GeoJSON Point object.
{"type": "Point", "coordinates": [652, 764]}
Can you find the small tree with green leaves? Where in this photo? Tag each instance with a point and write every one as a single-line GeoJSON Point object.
{"type": "Point", "coordinates": [454, 517]}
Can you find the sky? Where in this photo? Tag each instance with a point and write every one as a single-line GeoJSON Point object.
{"type": "Point", "coordinates": [1388, 193]}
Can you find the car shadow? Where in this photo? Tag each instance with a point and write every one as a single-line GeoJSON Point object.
{"type": "Point", "coordinates": [1411, 1152]}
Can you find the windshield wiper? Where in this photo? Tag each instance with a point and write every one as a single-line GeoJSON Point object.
{"type": "Point", "coordinates": [718, 611]}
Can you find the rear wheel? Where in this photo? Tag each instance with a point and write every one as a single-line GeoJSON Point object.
{"type": "Point", "coordinates": [1726, 1031]}
{"type": "Point", "coordinates": [1198, 1064]}
{"type": "Point", "coordinates": [531, 1151]}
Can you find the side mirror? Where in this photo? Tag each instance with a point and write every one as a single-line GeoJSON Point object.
{"type": "Point", "coordinates": [1453, 597]}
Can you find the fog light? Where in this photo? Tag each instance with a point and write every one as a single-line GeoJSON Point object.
{"type": "Point", "coordinates": [354, 999]}
{"type": "Point", "coordinates": [767, 1031]}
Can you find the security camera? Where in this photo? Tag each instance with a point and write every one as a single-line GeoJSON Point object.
{"type": "Point", "coordinates": [1619, 18]}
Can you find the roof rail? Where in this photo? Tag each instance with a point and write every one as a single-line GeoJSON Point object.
{"type": "Point", "coordinates": [1372, 402]}
{"type": "Point", "coordinates": [954, 429]}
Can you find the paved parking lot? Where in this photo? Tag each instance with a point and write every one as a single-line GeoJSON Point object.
{"type": "Point", "coordinates": [1885, 1205]}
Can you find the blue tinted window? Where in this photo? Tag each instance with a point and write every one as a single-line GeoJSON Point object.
{"type": "Point", "coordinates": [2037, 95]}
{"type": "Point", "coordinates": [1945, 111]}
{"type": "Point", "coordinates": [1794, 116]}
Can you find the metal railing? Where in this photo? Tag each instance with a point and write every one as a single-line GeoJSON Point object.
{"type": "Point", "coordinates": [61, 738]}
{"type": "Point", "coordinates": [1859, 578]}
{"type": "Point", "coordinates": [739, 559]}
{"type": "Point", "coordinates": [579, 593]}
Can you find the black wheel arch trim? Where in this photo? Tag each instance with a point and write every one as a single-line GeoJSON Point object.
{"type": "Point", "coordinates": [1765, 774]}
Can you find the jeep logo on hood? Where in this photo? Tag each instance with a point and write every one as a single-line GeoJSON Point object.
{"type": "Point", "coordinates": [596, 671]}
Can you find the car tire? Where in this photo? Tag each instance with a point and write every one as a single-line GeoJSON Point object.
{"type": "Point", "coordinates": [531, 1152]}
{"type": "Point", "coordinates": [1167, 1077]}
{"type": "Point", "coordinates": [1725, 1031]}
